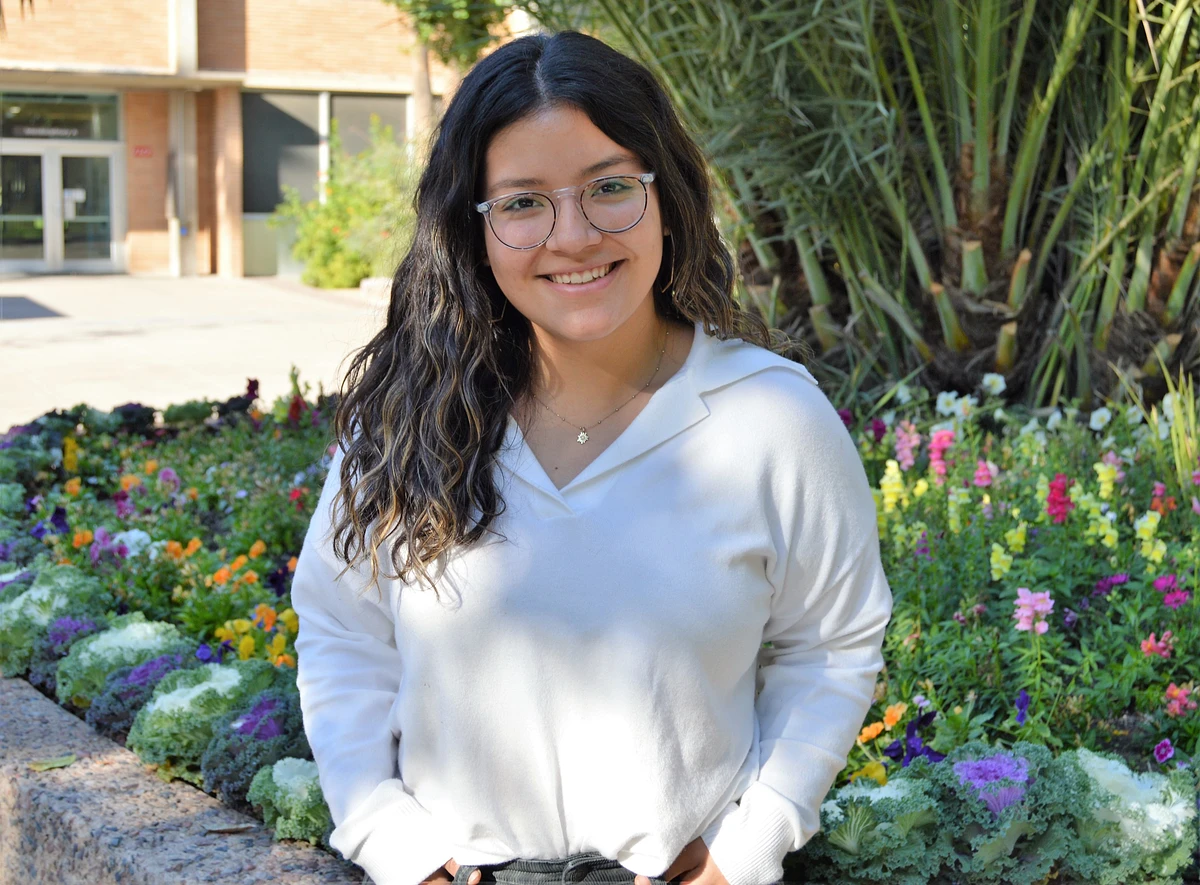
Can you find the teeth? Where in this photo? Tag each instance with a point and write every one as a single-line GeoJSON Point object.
{"type": "Point", "coordinates": [585, 277]}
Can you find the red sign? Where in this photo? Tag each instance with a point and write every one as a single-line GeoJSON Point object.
{"type": "Point", "coordinates": [143, 150]}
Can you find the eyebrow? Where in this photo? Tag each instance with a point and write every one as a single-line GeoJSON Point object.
{"type": "Point", "coordinates": [606, 163]}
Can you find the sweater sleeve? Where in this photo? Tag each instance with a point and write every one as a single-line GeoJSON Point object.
{"type": "Point", "coordinates": [348, 675]}
{"type": "Point", "coordinates": [830, 607]}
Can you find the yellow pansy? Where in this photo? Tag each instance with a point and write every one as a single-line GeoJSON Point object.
{"type": "Point", "coordinates": [874, 770]}
{"type": "Point", "coordinates": [241, 625]}
{"type": "Point", "coordinates": [246, 648]}
{"type": "Point", "coordinates": [290, 619]}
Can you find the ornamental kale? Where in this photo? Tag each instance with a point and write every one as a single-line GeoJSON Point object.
{"type": "Point", "coordinates": [1008, 812]}
{"type": "Point", "coordinates": [289, 794]}
{"type": "Point", "coordinates": [1136, 827]}
{"type": "Point", "coordinates": [173, 729]}
{"type": "Point", "coordinates": [56, 591]}
{"type": "Point", "coordinates": [131, 640]}
{"type": "Point", "coordinates": [872, 834]}
{"type": "Point", "coordinates": [51, 648]}
{"type": "Point", "coordinates": [126, 691]}
{"type": "Point", "coordinates": [14, 583]}
{"type": "Point", "coordinates": [12, 498]}
{"type": "Point", "coordinates": [260, 732]}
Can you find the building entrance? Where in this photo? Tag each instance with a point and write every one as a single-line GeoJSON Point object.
{"type": "Point", "coordinates": [57, 191]}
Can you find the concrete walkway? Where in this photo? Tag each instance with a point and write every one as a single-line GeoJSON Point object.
{"type": "Point", "coordinates": [108, 340]}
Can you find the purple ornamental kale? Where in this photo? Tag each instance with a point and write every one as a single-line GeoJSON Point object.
{"type": "Point", "coordinates": [154, 669]}
{"type": "Point", "coordinates": [998, 780]}
{"type": "Point", "coordinates": [63, 630]}
{"type": "Point", "coordinates": [260, 723]}
{"type": "Point", "coordinates": [20, 577]}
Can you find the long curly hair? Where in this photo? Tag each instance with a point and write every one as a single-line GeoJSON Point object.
{"type": "Point", "coordinates": [425, 403]}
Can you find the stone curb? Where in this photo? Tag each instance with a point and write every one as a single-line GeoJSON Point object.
{"type": "Point", "coordinates": [105, 820]}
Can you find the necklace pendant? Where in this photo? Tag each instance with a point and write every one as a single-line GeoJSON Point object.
{"type": "Point", "coordinates": [583, 437]}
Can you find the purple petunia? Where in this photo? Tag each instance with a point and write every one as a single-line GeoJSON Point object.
{"type": "Point", "coordinates": [1022, 705]}
{"type": "Point", "coordinates": [210, 655]}
{"type": "Point", "coordinates": [59, 521]}
{"type": "Point", "coordinates": [911, 746]}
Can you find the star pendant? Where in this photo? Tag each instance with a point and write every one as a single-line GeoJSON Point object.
{"type": "Point", "coordinates": [583, 437]}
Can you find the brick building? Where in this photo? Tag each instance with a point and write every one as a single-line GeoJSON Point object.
{"type": "Point", "coordinates": [153, 136]}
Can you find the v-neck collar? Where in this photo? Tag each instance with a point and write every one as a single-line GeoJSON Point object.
{"type": "Point", "coordinates": [711, 363]}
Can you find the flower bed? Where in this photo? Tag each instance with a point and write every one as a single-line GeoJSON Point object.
{"type": "Point", "coordinates": [1035, 721]}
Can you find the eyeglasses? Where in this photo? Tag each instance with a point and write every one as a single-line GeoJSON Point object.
{"type": "Point", "coordinates": [611, 204]}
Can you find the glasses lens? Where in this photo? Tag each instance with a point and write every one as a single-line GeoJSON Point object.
{"type": "Point", "coordinates": [522, 220]}
{"type": "Point", "coordinates": [615, 204]}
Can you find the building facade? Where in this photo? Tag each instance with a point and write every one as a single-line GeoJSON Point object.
{"type": "Point", "coordinates": [155, 136]}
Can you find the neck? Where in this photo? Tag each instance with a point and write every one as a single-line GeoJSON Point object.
{"type": "Point", "coordinates": [587, 377]}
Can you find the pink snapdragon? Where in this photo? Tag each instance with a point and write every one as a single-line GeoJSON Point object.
{"type": "Point", "coordinates": [1161, 647]}
{"type": "Point", "coordinates": [1032, 609]}
{"type": "Point", "coordinates": [985, 473]}
{"type": "Point", "coordinates": [907, 441]}
{"type": "Point", "coordinates": [1177, 700]}
{"type": "Point", "coordinates": [1160, 489]}
{"type": "Point", "coordinates": [940, 442]}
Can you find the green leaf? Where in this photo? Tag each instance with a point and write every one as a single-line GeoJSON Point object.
{"type": "Point", "coordinates": [56, 762]}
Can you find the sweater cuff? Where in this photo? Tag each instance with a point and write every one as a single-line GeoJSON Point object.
{"type": "Point", "coordinates": [392, 836]}
{"type": "Point", "coordinates": [750, 838]}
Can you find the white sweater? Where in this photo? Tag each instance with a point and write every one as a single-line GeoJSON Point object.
{"type": "Point", "coordinates": [590, 683]}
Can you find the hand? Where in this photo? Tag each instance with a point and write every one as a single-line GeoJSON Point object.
{"type": "Point", "coordinates": [447, 871]}
{"type": "Point", "coordinates": [694, 864]}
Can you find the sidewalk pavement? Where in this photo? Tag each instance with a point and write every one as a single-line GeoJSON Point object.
{"type": "Point", "coordinates": [108, 340]}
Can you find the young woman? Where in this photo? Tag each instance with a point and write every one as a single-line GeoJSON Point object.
{"type": "Point", "coordinates": [593, 591]}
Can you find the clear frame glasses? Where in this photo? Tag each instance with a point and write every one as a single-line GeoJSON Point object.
{"type": "Point", "coordinates": [611, 204]}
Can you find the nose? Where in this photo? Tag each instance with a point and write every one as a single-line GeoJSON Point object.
{"type": "Point", "coordinates": [572, 231]}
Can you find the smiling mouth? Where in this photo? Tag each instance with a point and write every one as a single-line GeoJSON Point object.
{"type": "Point", "coordinates": [585, 277]}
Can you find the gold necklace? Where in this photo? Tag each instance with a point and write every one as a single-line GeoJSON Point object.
{"type": "Point", "coordinates": [583, 431]}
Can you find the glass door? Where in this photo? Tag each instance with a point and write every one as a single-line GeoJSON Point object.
{"type": "Point", "coordinates": [22, 217]}
{"type": "Point", "coordinates": [86, 209]}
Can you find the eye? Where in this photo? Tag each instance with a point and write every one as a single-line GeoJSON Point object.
{"type": "Point", "coordinates": [522, 203]}
{"type": "Point", "coordinates": [610, 188]}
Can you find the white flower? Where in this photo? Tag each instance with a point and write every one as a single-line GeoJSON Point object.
{"type": "Point", "coordinates": [1164, 430]}
{"type": "Point", "coordinates": [1167, 411]}
{"type": "Point", "coordinates": [1030, 427]}
{"type": "Point", "coordinates": [903, 394]}
{"type": "Point", "coordinates": [1100, 418]}
{"type": "Point", "coordinates": [1108, 442]}
{"type": "Point", "coordinates": [945, 425]}
{"type": "Point", "coordinates": [1054, 420]}
{"type": "Point", "coordinates": [1133, 415]}
{"type": "Point", "coordinates": [946, 401]}
{"type": "Point", "coordinates": [999, 415]}
{"type": "Point", "coordinates": [888, 418]}
{"type": "Point", "coordinates": [964, 406]}
{"type": "Point", "coordinates": [994, 383]}
{"type": "Point", "coordinates": [154, 549]}
{"type": "Point", "coordinates": [135, 541]}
